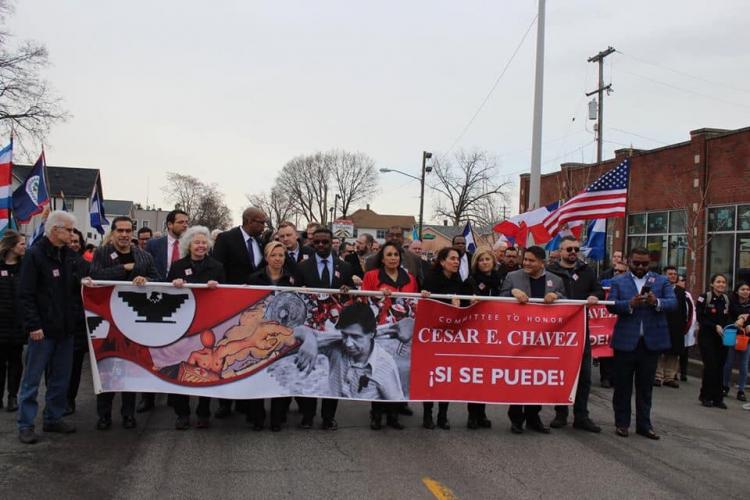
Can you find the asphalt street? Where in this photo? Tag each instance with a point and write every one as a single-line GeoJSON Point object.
{"type": "Point", "coordinates": [703, 453]}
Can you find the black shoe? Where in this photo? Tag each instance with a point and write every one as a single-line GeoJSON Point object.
{"type": "Point", "coordinates": [144, 405]}
{"type": "Point", "coordinates": [683, 378]}
{"type": "Point", "coordinates": [657, 383]}
{"type": "Point", "coordinates": [516, 428]}
{"type": "Point", "coordinates": [256, 426]}
{"type": "Point", "coordinates": [720, 404]}
{"type": "Point", "coordinates": [376, 422]}
{"type": "Point", "coordinates": [606, 384]}
{"type": "Point", "coordinates": [622, 431]}
{"type": "Point", "coordinates": [306, 424]}
{"type": "Point", "coordinates": [559, 421]}
{"type": "Point", "coordinates": [649, 434]}
{"type": "Point", "coordinates": [443, 423]}
{"type": "Point", "coordinates": [330, 425]}
{"type": "Point", "coordinates": [726, 390]}
{"type": "Point", "coordinates": [60, 426]}
{"type": "Point", "coordinates": [27, 436]}
{"type": "Point", "coordinates": [392, 422]}
{"type": "Point", "coordinates": [405, 410]}
{"type": "Point", "coordinates": [538, 427]}
{"type": "Point", "coordinates": [203, 423]}
{"type": "Point", "coordinates": [741, 396]}
{"type": "Point", "coordinates": [275, 427]}
{"type": "Point", "coordinates": [485, 423]}
{"type": "Point", "coordinates": [182, 423]}
{"type": "Point", "coordinates": [707, 403]}
{"type": "Point", "coordinates": [427, 421]}
{"type": "Point", "coordinates": [586, 424]}
{"type": "Point", "coordinates": [672, 383]}
{"type": "Point", "coordinates": [70, 409]}
{"type": "Point", "coordinates": [128, 422]}
{"type": "Point", "coordinates": [472, 423]}
{"type": "Point", "coordinates": [223, 412]}
{"type": "Point", "coordinates": [103, 423]}
{"type": "Point", "coordinates": [12, 404]}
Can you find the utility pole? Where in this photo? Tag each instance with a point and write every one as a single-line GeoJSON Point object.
{"type": "Point", "coordinates": [600, 117]}
{"type": "Point", "coordinates": [535, 179]}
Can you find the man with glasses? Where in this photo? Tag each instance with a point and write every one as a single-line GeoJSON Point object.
{"type": "Point", "coordinates": [144, 235]}
{"type": "Point", "coordinates": [580, 284]}
{"type": "Point", "coordinates": [641, 300]}
{"type": "Point", "coordinates": [50, 278]}
{"type": "Point", "coordinates": [240, 250]}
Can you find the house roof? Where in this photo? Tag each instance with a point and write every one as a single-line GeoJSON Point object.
{"type": "Point", "coordinates": [367, 218]}
{"type": "Point", "coordinates": [447, 231]}
{"type": "Point", "coordinates": [74, 182]}
{"type": "Point", "coordinates": [117, 207]}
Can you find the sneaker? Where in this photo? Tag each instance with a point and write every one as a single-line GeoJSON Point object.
{"type": "Point", "coordinates": [182, 423]}
{"type": "Point", "coordinates": [60, 426]}
{"type": "Point", "coordinates": [27, 436]}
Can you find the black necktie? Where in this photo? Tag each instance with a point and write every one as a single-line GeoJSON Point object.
{"type": "Point", "coordinates": [251, 252]}
{"type": "Point", "coordinates": [291, 256]}
{"type": "Point", "coordinates": [325, 276]}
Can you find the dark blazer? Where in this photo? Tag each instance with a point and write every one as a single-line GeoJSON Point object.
{"type": "Point", "coordinates": [231, 250]}
{"type": "Point", "coordinates": [157, 247]}
{"type": "Point", "coordinates": [353, 260]}
{"type": "Point", "coordinates": [303, 254]}
{"type": "Point", "coordinates": [307, 274]}
{"type": "Point", "coordinates": [261, 278]}
{"type": "Point", "coordinates": [50, 278]}
{"type": "Point", "coordinates": [197, 272]}
{"type": "Point", "coordinates": [106, 265]}
{"type": "Point", "coordinates": [628, 327]}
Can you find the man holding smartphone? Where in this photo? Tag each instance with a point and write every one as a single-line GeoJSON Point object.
{"type": "Point", "coordinates": [641, 300]}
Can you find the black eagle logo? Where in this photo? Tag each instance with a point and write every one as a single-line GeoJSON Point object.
{"type": "Point", "coordinates": [154, 306]}
{"type": "Point", "coordinates": [94, 322]}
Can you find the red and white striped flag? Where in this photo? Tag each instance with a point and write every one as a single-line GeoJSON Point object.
{"type": "Point", "coordinates": [607, 197]}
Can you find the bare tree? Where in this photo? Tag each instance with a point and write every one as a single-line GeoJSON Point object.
{"type": "Point", "coordinates": [276, 205]}
{"type": "Point", "coordinates": [466, 185]}
{"type": "Point", "coordinates": [28, 106]}
{"type": "Point", "coordinates": [355, 178]}
{"type": "Point", "coordinates": [203, 203]}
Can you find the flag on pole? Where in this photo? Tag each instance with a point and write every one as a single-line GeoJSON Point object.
{"type": "Point", "coordinates": [96, 208]}
{"type": "Point", "coordinates": [468, 234]}
{"type": "Point", "coordinates": [30, 198]}
{"type": "Point", "coordinates": [606, 197]}
{"type": "Point", "coordinates": [595, 243]}
{"type": "Point", "coordinates": [64, 205]}
{"type": "Point", "coordinates": [518, 227]}
{"type": "Point", "coordinates": [6, 180]}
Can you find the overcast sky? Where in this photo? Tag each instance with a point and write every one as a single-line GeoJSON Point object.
{"type": "Point", "coordinates": [228, 91]}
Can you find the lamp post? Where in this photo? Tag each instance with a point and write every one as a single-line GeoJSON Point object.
{"type": "Point", "coordinates": [335, 200]}
{"type": "Point", "coordinates": [426, 155]}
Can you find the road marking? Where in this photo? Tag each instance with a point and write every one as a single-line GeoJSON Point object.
{"type": "Point", "coordinates": [440, 491]}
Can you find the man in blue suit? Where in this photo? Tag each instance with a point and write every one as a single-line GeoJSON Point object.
{"type": "Point", "coordinates": [164, 250]}
{"type": "Point", "coordinates": [641, 300]}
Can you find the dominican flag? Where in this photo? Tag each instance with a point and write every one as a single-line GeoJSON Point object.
{"type": "Point", "coordinates": [594, 247]}
{"type": "Point", "coordinates": [96, 209]}
{"type": "Point", "coordinates": [6, 179]}
{"type": "Point", "coordinates": [518, 228]}
{"type": "Point", "coordinates": [468, 234]}
{"type": "Point", "coordinates": [31, 196]}
{"type": "Point", "coordinates": [572, 228]}
{"type": "Point", "coordinates": [607, 197]}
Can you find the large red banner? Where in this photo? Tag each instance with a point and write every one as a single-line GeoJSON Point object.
{"type": "Point", "coordinates": [499, 352]}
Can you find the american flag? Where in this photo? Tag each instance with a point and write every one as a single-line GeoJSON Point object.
{"type": "Point", "coordinates": [606, 197]}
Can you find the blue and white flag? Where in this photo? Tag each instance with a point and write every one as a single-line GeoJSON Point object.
{"type": "Point", "coordinates": [31, 196]}
{"type": "Point", "coordinates": [468, 234]}
{"type": "Point", "coordinates": [594, 247]}
{"type": "Point", "coordinates": [96, 210]}
{"type": "Point", "coordinates": [38, 233]}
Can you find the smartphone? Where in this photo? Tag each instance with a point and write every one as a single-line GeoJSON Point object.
{"type": "Point", "coordinates": [645, 290]}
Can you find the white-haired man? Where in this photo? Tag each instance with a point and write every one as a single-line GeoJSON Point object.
{"type": "Point", "coordinates": [50, 279]}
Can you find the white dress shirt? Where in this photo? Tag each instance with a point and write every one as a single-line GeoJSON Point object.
{"type": "Point", "coordinates": [257, 251]}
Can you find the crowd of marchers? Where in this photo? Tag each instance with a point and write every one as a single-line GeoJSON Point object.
{"type": "Point", "coordinates": [657, 319]}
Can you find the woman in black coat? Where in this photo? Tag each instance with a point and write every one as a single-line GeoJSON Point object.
{"type": "Point", "coordinates": [274, 274]}
{"type": "Point", "coordinates": [12, 337]}
{"type": "Point", "coordinates": [486, 282]}
{"type": "Point", "coordinates": [196, 266]}
{"type": "Point", "coordinates": [713, 315]}
{"type": "Point", "coordinates": [80, 337]}
{"type": "Point", "coordinates": [444, 278]}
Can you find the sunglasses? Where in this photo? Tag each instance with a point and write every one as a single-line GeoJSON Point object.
{"type": "Point", "coordinates": [640, 263]}
{"type": "Point", "coordinates": [572, 249]}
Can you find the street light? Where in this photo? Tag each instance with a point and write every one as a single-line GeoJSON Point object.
{"type": "Point", "coordinates": [426, 155]}
{"type": "Point", "coordinates": [333, 215]}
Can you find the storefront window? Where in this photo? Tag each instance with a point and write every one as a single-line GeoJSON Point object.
{"type": "Point", "coordinates": [637, 224]}
{"type": "Point", "coordinates": [720, 255]}
{"type": "Point", "coordinates": [743, 218]}
{"type": "Point", "coordinates": [657, 222]}
{"type": "Point", "coordinates": [663, 234]}
{"type": "Point", "coordinates": [678, 250]}
{"type": "Point", "coordinates": [721, 219]}
{"type": "Point", "coordinates": [657, 251]}
{"type": "Point", "coordinates": [677, 221]}
{"type": "Point", "coordinates": [636, 241]}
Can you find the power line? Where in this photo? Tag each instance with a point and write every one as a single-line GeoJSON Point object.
{"type": "Point", "coordinates": [489, 94]}
{"type": "Point", "coordinates": [683, 73]}
{"type": "Point", "coordinates": [638, 135]}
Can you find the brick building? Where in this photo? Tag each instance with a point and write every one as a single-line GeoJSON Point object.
{"type": "Point", "coordinates": [688, 203]}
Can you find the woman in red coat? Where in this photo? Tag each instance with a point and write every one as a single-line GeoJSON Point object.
{"type": "Point", "coordinates": [388, 276]}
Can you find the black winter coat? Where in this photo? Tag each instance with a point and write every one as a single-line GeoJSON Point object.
{"type": "Point", "coordinates": [487, 285]}
{"type": "Point", "coordinates": [580, 282]}
{"type": "Point", "coordinates": [677, 321]}
{"type": "Point", "coordinates": [11, 324]}
{"type": "Point", "coordinates": [437, 282]}
{"type": "Point", "coordinates": [201, 271]}
{"type": "Point", "coordinates": [50, 282]}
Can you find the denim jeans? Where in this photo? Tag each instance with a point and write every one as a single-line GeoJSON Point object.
{"type": "Point", "coordinates": [743, 356]}
{"type": "Point", "coordinates": [58, 355]}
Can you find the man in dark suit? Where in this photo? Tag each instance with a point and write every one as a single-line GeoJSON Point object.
{"type": "Point", "coordinates": [164, 250]}
{"type": "Point", "coordinates": [669, 362]}
{"type": "Point", "coordinates": [641, 300]}
{"type": "Point", "coordinates": [240, 250]}
{"type": "Point", "coordinates": [295, 253]}
{"type": "Point", "coordinates": [531, 282]}
{"type": "Point", "coordinates": [464, 267]}
{"type": "Point", "coordinates": [322, 271]}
